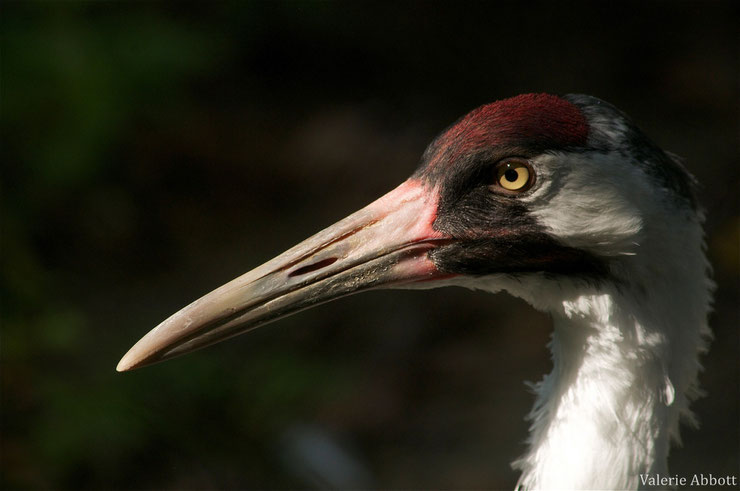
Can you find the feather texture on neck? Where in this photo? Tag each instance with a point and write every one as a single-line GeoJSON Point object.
{"type": "Point", "coordinates": [602, 416]}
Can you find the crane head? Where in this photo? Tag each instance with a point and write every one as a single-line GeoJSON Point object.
{"type": "Point", "coordinates": [557, 187]}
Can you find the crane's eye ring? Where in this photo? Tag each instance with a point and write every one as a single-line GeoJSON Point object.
{"type": "Point", "coordinates": [512, 176]}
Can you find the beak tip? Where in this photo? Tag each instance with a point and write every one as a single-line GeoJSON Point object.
{"type": "Point", "coordinates": [124, 365]}
{"type": "Point", "coordinates": [143, 353]}
{"type": "Point", "coordinates": [130, 361]}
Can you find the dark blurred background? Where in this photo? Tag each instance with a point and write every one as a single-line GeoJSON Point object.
{"type": "Point", "coordinates": [151, 152]}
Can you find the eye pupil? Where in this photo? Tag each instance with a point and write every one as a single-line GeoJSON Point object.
{"type": "Point", "coordinates": [511, 175]}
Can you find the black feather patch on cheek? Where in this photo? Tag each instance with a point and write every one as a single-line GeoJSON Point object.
{"type": "Point", "coordinates": [492, 233]}
{"type": "Point", "coordinates": [515, 253]}
{"type": "Point", "coordinates": [477, 213]}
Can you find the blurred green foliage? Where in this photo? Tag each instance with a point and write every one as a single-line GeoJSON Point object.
{"type": "Point", "coordinates": [75, 79]}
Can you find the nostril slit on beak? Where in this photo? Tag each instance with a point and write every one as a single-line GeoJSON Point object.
{"type": "Point", "coordinates": [313, 267]}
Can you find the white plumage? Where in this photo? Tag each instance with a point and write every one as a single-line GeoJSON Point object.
{"type": "Point", "coordinates": [625, 352]}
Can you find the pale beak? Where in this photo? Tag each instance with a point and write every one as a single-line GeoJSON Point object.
{"type": "Point", "coordinates": [384, 245]}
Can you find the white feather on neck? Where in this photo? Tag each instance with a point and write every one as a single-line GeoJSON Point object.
{"type": "Point", "coordinates": [625, 363]}
{"type": "Point", "coordinates": [601, 416]}
{"type": "Point", "coordinates": [625, 351]}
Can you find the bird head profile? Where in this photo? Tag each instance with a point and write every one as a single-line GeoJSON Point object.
{"type": "Point", "coordinates": [561, 201]}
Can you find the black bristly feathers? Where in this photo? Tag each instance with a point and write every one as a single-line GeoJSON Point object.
{"type": "Point", "coordinates": [494, 232]}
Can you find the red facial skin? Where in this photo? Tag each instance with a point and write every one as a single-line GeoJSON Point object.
{"type": "Point", "coordinates": [540, 121]}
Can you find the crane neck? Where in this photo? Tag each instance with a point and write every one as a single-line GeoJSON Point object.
{"type": "Point", "coordinates": [625, 359]}
{"type": "Point", "coordinates": [624, 370]}
{"type": "Point", "coordinates": [600, 415]}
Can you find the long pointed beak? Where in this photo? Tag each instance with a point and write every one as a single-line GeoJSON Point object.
{"type": "Point", "coordinates": [384, 245]}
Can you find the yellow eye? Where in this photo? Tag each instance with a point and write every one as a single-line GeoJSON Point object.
{"type": "Point", "coordinates": [514, 175]}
